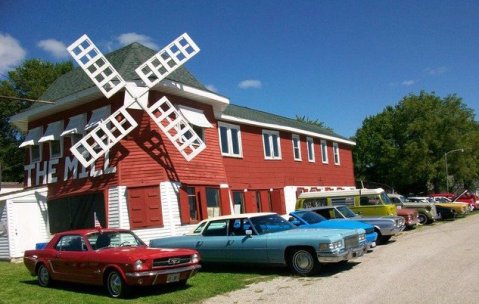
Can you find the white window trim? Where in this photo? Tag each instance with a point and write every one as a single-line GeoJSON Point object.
{"type": "Point", "coordinates": [310, 147]}
{"type": "Point", "coordinates": [270, 142]}
{"type": "Point", "coordinates": [61, 148]}
{"type": "Point", "coordinates": [230, 140]}
{"type": "Point", "coordinates": [40, 148]}
{"type": "Point", "coordinates": [298, 141]}
{"type": "Point", "coordinates": [324, 151]}
{"type": "Point", "coordinates": [337, 159]}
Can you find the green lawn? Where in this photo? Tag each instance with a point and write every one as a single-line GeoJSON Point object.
{"type": "Point", "coordinates": [17, 286]}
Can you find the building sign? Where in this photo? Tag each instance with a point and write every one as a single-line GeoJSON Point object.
{"type": "Point", "coordinates": [46, 171]}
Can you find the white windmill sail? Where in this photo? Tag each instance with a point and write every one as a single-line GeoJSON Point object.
{"type": "Point", "coordinates": [109, 132]}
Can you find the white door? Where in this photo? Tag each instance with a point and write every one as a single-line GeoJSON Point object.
{"type": "Point", "coordinates": [28, 228]}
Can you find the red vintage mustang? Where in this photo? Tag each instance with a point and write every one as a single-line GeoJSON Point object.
{"type": "Point", "coordinates": [112, 257]}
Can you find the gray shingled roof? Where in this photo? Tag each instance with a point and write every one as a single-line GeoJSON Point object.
{"type": "Point", "coordinates": [125, 61]}
{"type": "Point", "coordinates": [264, 117]}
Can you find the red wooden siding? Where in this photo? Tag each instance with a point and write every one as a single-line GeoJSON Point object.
{"type": "Point", "coordinates": [254, 172]}
{"type": "Point", "coordinates": [144, 207]}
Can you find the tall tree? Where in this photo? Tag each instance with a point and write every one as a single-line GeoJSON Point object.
{"type": "Point", "coordinates": [404, 146]}
{"type": "Point", "coordinates": [29, 80]}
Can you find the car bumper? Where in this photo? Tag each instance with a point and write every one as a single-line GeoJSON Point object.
{"type": "Point", "coordinates": [157, 277]}
{"type": "Point", "coordinates": [392, 231]}
{"type": "Point", "coordinates": [346, 255]}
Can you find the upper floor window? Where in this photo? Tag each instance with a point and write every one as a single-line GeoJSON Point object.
{"type": "Point", "coordinates": [31, 142]}
{"type": "Point", "coordinates": [271, 144]}
{"type": "Point", "coordinates": [230, 140]}
{"type": "Point", "coordinates": [35, 153]}
{"type": "Point", "coordinates": [337, 161]}
{"type": "Point", "coordinates": [52, 136]}
{"type": "Point", "coordinates": [296, 147]}
{"type": "Point", "coordinates": [75, 128]}
{"type": "Point", "coordinates": [310, 143]}
{"type": "Point", "coordinates": [324, 151]}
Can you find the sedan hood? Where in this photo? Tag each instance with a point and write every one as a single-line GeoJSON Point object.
{"type": "Point", "coordinates": [143, 252]}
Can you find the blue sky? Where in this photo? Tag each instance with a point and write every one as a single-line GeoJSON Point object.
{"type": "Point", "coordinates": [335, 61]}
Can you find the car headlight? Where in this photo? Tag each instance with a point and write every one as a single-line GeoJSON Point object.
{"type": "Point", "coordinates": [138, 265]}
{"type": "Point", "coordinates": [331, 246]}
{"type": "Point", "coordinates": [195, 258]}
{"type": "Point", "coordinates": [362, 237]}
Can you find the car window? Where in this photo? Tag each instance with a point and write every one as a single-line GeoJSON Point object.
{"type": "Point", "coordinates": [349, 200]}
{"type": "Point", "coordinates": [71, 243]}
{"type": "Point", "coordinates": [109, 239]}
{"type": "Point", "coordinates": [199, 228]}
{"type": "Point", "coordinates": [314, 202]}
{"type": "Point", "coordinates": [343, 211]}
{"type": "Point", "coordinates": [238, 227]}
{"type": "Point", "coordinates": [216, 228]}
{"type": "Point", "coordinates": [310, 217]}
{"type": "Point", "coordinates": [323, 212]}
{"type": "Point", "coordinates": [271, 223]}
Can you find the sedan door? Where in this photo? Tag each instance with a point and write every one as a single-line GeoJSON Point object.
{"type": "Point", "coordinates": [213, 242]}
{"type": "Point", "coordinates": [71, 261]}
{"type": "Point", "coordinates": [245, 248]}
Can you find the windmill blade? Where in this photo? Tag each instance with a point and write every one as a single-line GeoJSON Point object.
{"type": "Point", "coordinates": [176, 128]}
{"type": "Point", "coordinates": [104, 136]}
{"type": "Point", "coordinates": [167, 60]}
{"type": "Point", "coordinates": [96, 66]}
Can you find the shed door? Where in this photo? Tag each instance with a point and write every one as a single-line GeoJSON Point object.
{"type": "Point", "coordinates": [144, 207]}
{"type": "Point", "coordinates": [28, 226]}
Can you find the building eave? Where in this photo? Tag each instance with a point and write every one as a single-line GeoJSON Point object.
{"type": "Point", "coordinates": [232, 119]}
{"type": "Point", "coordinates": [20, 120]}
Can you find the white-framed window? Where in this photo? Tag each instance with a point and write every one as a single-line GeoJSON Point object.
{"type": "Point", "coordinates": [324, 151]}
{"type": "Point", "coordinates": [310, 145]}
{"type": "Point", "coordinates": [35, 153]}
{"type": "Point", "coordinates": [230, 140]}
{"type": "Point", "coordinates": [56, 149]}
{"type": "Point", "coordinates": [188, 135]}
{"type": "Point", "coordinates": [271, 144]}
{"type": "Point", "coordinates": [337, 160]}
{"type": "Point", "coordinates": [296, 147]}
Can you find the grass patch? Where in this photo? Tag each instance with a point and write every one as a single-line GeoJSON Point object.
{"type": "Point", "coordinates": [17, 286]}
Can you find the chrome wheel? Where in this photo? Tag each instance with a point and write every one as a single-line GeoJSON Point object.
{"type": "Point", "coordinates": [422, 218]}
{"type": "Point", "coordinates": [303, 262]}
{"type": "Point", "coordinates": [43, 276]}
{"type": "Point", "coordinates": [116, 285]}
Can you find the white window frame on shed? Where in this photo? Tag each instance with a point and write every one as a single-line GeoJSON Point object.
{"type": "Point", "coordinates": [310, 146]}
{"type": "Point", "coordinates": [324, 151]}
{"type": "Point", "coordinates": [230, 135]}
{"type": "Point", "coordinates": [52, 136]}
{"type": "Point", "coordinates": [271, 145]}
{"type": "Point", "coordinates": [31, 141]}
{"type": "Point", "coordinates": [337, 159]}
{"type": "Point", "coordinates": [75, 128]}
{"type": "Point", "coordinates": [296, 141]}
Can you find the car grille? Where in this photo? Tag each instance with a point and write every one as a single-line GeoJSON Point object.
{"type": "Point", "coordinates": [351, 241]}
{"type": "Point", "coordinates": [171, 261]}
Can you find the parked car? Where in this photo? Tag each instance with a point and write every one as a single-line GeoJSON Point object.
{"type": "Point", "coordinates": [365, 202]}
{"type": "Point", "coordinates": [465, 197]}
{"type": "Point", "coordinates": [307, 219]}
{"type": "Point", "coordinates": [460, 209]}
{"type": "Point", "coordinates": [268, 239]}
{"type": "Point", "coordinates": [410, 215]}
{"type": "Point", "coordinates": [427, 212]}
{"type": "Point", "coordinates": [385, 226]}
{"type": "Point", "coordinates": [115, 258]}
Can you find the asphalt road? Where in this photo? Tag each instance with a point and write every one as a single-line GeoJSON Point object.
{"type": "Point", "coordinates": [437, 263]}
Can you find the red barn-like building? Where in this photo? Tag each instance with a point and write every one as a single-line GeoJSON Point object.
{"type": "Point", "coordinates": [253, 160]}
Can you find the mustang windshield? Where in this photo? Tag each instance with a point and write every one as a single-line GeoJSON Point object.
{"type": "Point", "coordinates": [109, 239]}
{"type": "Point", "coordinates": [271, 223]}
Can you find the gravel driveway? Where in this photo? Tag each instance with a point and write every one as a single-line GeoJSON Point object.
{"type": "Point", "coordinates": [438, 263]}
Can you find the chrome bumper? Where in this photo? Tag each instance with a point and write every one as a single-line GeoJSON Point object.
{"type": "Point", "coordinates": [348, 254]}
{"type": "Point", "coordinates": [140, 274]}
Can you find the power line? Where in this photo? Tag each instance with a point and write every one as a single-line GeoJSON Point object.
{"type": "Point", "coordinates": [27, 99]}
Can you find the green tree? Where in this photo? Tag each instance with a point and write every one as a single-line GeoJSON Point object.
{"type": "Point", "coordinates": [29, 80]}
{"type": "Point", "coordinates": [313, 122]}
{"type": "Point", "coordinates": [404, 146]}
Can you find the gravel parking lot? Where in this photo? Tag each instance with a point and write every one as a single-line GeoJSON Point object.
{"type": "Point", "coordinates": [432, 264]}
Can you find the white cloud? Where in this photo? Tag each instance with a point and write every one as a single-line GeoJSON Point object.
{"type": "Point", "coordinates": [11, 53]}
{"type": "Point", "coordinates": [128, 38]}
{"type": "Point", "coordinates": [54, 47]}
{"type": "Point", "coordinates": [408, 83]}
{"type": "Point", "coordinates": [436, 71]}
{"type": "Point", "coordinates": [250, 84]}
{"type": "Point", "coordinates": [211, 87]}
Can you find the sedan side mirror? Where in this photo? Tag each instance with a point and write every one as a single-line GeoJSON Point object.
{"type": "Point", "coordinates": [249, 232]}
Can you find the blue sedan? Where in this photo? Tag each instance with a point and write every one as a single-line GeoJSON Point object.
{"type": "Point", "coordinates": [268, 239]}
{"type": "Point", "coordinates": [308, 219]}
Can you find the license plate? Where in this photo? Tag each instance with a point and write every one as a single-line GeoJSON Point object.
{"type": "Point", "coordinates": [174, 277]}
